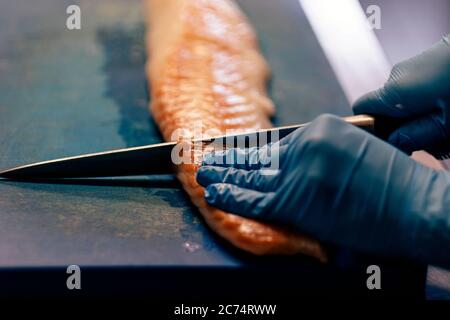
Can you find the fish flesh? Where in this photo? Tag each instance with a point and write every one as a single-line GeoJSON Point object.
{"type": "Point", "coordinates": [205, 67]}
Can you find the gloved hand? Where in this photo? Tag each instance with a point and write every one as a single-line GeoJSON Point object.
{"type": "Point", "coordinates": [339, 184]}
{"type": "Point", "coordinates": [417, 92]}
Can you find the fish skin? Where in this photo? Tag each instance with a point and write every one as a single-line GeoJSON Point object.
{"type": "Point", "coordinates": [205, 65]}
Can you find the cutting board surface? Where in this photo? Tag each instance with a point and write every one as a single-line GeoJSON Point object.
{"type": "Point", "coordinates": [66, 92]}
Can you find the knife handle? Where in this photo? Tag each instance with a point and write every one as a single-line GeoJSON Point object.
{"type": "Point", "coordinates": [382, 127]}
{"type": "Point", "coordinates": [362, 121]}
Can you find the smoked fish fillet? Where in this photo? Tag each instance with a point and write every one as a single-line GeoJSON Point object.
{"type": "Point", "coordinates": [205, 67]}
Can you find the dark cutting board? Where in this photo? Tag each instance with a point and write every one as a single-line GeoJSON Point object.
{"type": "Point", "coordinates": [68, 92]}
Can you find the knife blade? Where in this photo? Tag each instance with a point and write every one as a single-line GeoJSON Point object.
{"type": "Point", "coordinates": [157, 158]}
{"type": "Point", "coordinates": [143, 160]}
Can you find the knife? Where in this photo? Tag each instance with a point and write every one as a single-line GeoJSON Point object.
{"type": "Point", "coordinates": [156, 158]}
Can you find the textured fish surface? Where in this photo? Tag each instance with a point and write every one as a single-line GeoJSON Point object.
{"type": "Point", "coordinates": [205, 67]}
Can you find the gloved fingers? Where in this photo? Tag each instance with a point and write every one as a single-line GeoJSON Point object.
{"type": "Point", "coordinates": [248, 159]}
{"type": "Point", "coordinates": [386, 102]}
{"type": "Point", "coordinates": [413, 87]}
{"type": "Point", "coordinates": [292, 137]}
{"type": "Point", "coordinates": [254, 179]}
{"type": "Point", "coordinates": [245, 202]}
{"type": "Point", "coordinates": [380, 102]}
{"type": "Point", "coordinates": [233, 157]}
{"type": "Point", "coordinates": [253, 158]}
{"type": "Point", "coordinates": [419, 134]}
{"type": "Point", "coordinates": [270, 156]}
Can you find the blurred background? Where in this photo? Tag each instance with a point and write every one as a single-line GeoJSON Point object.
{"type": "Point", "coordinates": [410, 26]}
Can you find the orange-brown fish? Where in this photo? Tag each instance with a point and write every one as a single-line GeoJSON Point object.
{"type": "Point", "coordinates": [205, 67]}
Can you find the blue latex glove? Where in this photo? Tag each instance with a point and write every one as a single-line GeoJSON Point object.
{"type": "Point", "coordinates": [417, 92]}
{"type": "Point", "coordinates": [341, 185]}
